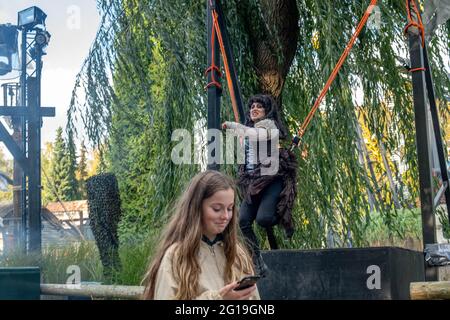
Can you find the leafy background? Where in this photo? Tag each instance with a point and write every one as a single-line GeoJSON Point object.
{"type": "Point", "coordinates": [358, 185]}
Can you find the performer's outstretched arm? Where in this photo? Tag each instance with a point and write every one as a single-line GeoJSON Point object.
{"type": "Point", "coordinates": [264, 130]}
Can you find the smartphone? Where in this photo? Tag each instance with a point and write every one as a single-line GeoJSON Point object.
{"type": "Point", "coordinates": [247, 282]}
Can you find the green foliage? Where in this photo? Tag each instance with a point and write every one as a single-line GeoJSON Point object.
{"type": "Point", "coordinates": [63, 177]}
{"type": "Point", "coordinates": [60, 182]}
{"type": "Point", "coordinates": [46, 169]}
{"type": "Point", "coordinates": [442, 216]}
{"type": "Point", "coordinates": [82, 173]}
{"type": "Point", "coordinates": [55, 260]}
{"type": "Point", "coordinates": [144, 117]}
{"type": "Point", "coordinates": [72, 159]}
{"type": "Point", "coordinates": [6, 168]}
{"type": "Point", "coordinates": [144, 78]}
{"type": "Point", "coordinates": [135, 258]}
{"type": "Point", "coordinates": [406, 225]}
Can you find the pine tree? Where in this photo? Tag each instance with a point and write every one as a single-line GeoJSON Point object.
{"type": "Point", "coordinates": [46, 169]}
{"type": "Point", "coordinates": [82, 174]}
{"type": "Point", "coordinates": [60, 170]}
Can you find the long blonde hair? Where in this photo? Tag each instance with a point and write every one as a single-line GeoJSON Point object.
{"type": "Point", "coordinates": [185, 230]}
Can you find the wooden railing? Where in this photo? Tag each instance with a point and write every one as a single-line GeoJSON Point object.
{"type": "Point", "coordinates": [93, 291]}
{"type": "Point", "coordinates": [418, 290]}
{"type": "Point", "coordinates": [430, 290]}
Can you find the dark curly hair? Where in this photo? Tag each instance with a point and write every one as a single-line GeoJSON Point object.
{"type": "Point", "coordinates": [271, 109]}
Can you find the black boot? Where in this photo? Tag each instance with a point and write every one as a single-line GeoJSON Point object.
{"type": "Point", "coordinates": [260, 266]}
{"type": "Point", "coordinates": [253, 246]}
{"type": "Point", "coordinates": [271, 237]}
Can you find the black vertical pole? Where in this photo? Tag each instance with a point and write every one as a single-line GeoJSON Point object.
{"type": "Point", "coordinates": [5, 94]}
{"type": "Point", "coordinates": [19, 176]}
{"type": "Point", "coordinates": [214, 93]}
{"type": "Point", "coordinates": [34, 142]}
{"type": "Point", "coordinates": [229, 53]}
{"type": "Point", "coordinates": [436, 127]}
{"type": "Point", "coordinates": [423, 147]}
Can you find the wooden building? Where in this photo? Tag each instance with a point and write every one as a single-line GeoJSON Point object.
{"type": "Point", "coordinates": [62, 223]}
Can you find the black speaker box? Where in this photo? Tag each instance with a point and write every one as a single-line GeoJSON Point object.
{"type": "Point", "coordinates": [354, 273]}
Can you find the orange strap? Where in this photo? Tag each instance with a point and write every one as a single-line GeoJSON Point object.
{"type": "Point", "coordinates": [338, 66]}
{"type": "Point", "coordinates": [411, 22]}
{"type": "Point", "coordinates": [225, 62]}
{"type": "Point", "coordinates": [416, 69]}
{"type": "Point", "coordinates": [213, 66]}
{"type": "Point", "coordinates": [216, 31]}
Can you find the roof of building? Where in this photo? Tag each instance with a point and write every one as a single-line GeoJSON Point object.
{"type": "Point", "coordinates": [6, 207]}
{"type": "Point", "coordinates": [80, 205]}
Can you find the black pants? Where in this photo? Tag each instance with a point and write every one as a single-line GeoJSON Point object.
{"type": "Point", "coordinates": [263, 209]}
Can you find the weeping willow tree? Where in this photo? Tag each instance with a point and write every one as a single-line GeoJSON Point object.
{"type": "Point", "coordinates": [144, 77]}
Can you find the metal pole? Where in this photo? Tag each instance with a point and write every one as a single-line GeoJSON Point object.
{"type": "Point", "coordinates": [34, 147]}
{"type": "Point", "coordinates": [436, 127]}
{"type": "Point", "coordinates": [214, 94]}
{"type": "Point", "coordinates": [423, 148]}
{"type": "Point", "coordinates": [19, 136]}
{"type": "Point", "coordinates": [5, 94]}
{"type": "Point", "coordinates": [34, 190]}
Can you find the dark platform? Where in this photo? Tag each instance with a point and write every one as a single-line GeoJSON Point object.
{"type": "Point", "coordinates": [20, 284]}
{"type": "Point", "coordinates": [341, 273]}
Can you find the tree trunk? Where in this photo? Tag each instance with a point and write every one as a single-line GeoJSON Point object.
{"type": "Point", "coordinates": [273, 32]}
{"type": "Point", "coordinates": [369, 163]}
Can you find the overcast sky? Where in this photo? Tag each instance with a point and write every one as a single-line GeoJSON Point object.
{"type": "Point", "coordinates": [72, 25]}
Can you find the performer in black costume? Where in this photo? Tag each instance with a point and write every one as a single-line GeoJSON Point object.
{"type": "Point", "coordinates": [268, 198]}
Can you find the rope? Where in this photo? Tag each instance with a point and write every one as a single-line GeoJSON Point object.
{"type": "Point", "coordinates": [334, 73]}
{"type": "Point", "coordinates": [411, 22]}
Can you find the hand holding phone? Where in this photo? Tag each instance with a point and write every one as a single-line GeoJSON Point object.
{"type": "Point", "coordinates": [247, 282]}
